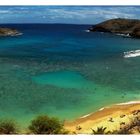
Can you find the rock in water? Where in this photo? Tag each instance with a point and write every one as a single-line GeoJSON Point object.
{"type": "Point", "coordinates": [128, 27]}
{"type": "Point", "coordinates": [9, 32]}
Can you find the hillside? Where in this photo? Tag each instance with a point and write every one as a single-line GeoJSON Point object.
{"type": "Point", "coordinates": [129, 27]}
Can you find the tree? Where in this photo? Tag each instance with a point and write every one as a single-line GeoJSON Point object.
{"type": "Point", "coordinates": [46, 125]}
{"type": "Point", "coordinates": [8, 127]}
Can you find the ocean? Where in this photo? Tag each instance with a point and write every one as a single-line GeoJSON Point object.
{"type": "Point", "coordinates": [63, 71]}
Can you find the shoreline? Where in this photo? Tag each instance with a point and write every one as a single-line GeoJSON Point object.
{"type": "Point", "coordinates": [118, 113]}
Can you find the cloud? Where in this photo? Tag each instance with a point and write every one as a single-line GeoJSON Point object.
{"type": "Point", "coordinates": [93, 12]}
{"type": "Point", "coordinates": [66, 14]}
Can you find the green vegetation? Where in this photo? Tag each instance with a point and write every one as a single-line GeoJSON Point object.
{"type": "Point", "coordinates": [46, 125]}
{"type": "Point", "coordinates": [100, 131]}
{"type": "Point", "coordinates": [40, 125]}
{"type": "Point", "coordinates": [8, 127]}
{"type": "Point", "coordinates": [49, 125]}
{"type": "Point", "coordinates": [132, 128]}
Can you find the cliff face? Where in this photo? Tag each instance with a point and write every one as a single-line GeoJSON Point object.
{"type": "Point", "coordinates": [8, 32]}
{"type": "Point", "coordinates": [129, 27]}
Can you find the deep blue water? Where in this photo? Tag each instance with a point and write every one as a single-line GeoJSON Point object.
{"type": "Point", "coordinates": [61, 70]}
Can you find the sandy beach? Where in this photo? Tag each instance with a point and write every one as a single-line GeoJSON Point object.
{"type": "Point", "coordinates": [112, 118]}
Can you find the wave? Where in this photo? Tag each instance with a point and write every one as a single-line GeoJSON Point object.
{"type": "Point", "coordinates": [119, 104]}
{"type": "Point", "coordinates": [87, 31]}
{"type": "Point", "coordinates": [129, 103]}
{"type": "Point", "coordinates": [101, 109]}
{"type": "Point", "coordinates": [134, 53]}
{"type": "Point", "coordinates": [18, 34]}
{"type": "Point", "coordinates": [125, 35]}
{"type": "Point", "coordinates": [86, 115]}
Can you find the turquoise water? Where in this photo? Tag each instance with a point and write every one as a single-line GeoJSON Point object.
{"type": "Point", "coordinates": [62, 79]}
{"type": "Point", "coordinates": [63, 71]}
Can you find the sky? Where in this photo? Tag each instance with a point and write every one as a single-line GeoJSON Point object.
{"type": "Point", "coordinates": [66, 14]}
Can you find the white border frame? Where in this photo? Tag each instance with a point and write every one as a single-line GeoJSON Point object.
{"type": "Point", "coordinates": [74, 3]}
{"type": "Point", "coordinates": [70, 2]}
{"type": "Point", "coordinates": [70, 137]}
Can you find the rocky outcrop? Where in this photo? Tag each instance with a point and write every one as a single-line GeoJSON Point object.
{"type": "Point", "coordinates": [136, 32]}
{"type": "Point", "coordinates": [9, 32]}
{"type": "Point", "coordinates": [129, 27]}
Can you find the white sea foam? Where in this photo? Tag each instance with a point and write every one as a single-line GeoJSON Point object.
{"type": "Point", "coordinates": [91, 113]}
{"type": "Point", "coordinates": [101, 109]}
{"type": "Point", "coordinates": [134, 53]}
{"type": "Point", "coordinates": [125, 35]}
{"type": "Point", "coordinates": [86, 115]}
{"type": "Point", "coordinates": [87, 30]}
{"type": "Point", "coordinates": [18, 34]}
{"type": "Point", "coordinates": [128, 103]}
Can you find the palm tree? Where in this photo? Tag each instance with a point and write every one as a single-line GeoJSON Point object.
{"type": "Point", "coordinates": [100, 131]}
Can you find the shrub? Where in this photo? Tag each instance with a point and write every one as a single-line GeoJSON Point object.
{"type": "Point", "coordinates": [134, 124]}
{"type": "Point", "coordinates": [8, 127]}
{"type": "Point", "coordinates": [46, 125]}
{"type": "Point", "coordinates": [130, 128]}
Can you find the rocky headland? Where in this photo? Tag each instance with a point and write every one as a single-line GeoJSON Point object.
{"type": "Point", "coordinates": [9, 32]}
{"type": "Point", "coordinates": [127, 27]}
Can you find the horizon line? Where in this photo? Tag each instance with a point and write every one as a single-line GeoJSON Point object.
{"type": "Point", "coordinates": [52, 23]}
